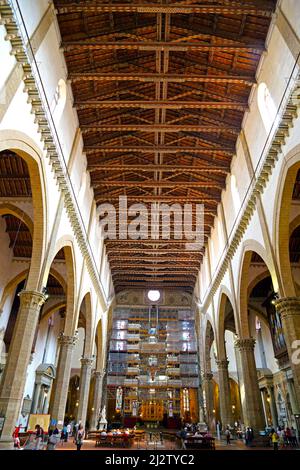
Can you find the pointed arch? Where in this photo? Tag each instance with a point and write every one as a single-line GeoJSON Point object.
{"type": "Point", "coordinates": [249, 247]}
{"type": "Point", "coordinates": [66, 243]}
{"type": "Point", "coordinates": [225, 296]}
{"type": "Point", "coordinates": [282, 214]}
{"type": "Point", "coordinates": [26, 148]}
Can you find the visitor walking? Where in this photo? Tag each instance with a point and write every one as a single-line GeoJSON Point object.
{"type": "Point", "coordinates": [16, 438]}
{"type": "Point", "coordinates": [39, 437]}
{"type": "Point", "coordinates": [80, 437]}
{"type": "Point", "coordinates": [275, 439]}
{"type": "Point", "coordinates": [227, 434]}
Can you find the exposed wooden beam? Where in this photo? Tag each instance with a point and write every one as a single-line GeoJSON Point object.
{"type": "Point", "coordinates": [158, 77]}
{"type": "Point", "coordinates": [152, 267]}
{"type": "Point", "coordinates": [94, 44]}
{"type": "Point", "coordinates": [159, 259]}
{"type": "Point", "coordinates": [187, 287]}
{"type": "Point", "coordinates": [160, 128]}
{"type": "Point", "coordinates": [164, 168]}
{"type": "Point", "coordinates": [156, 184]}
{"type": "Point", "coordinates": [149, 242]}
{"type": "Point", "coordinates": [187, 199]}
{"type": "Point", "coordinates": [262, 8]}
{"type": "Point", "coordinates": [158, 104]}
{"type": "Point", "coordinates": [92, 149]}
{"type": "Point", "coordinates": [145, 251]}
{"type": "Point", "coordinates": [184, 277]}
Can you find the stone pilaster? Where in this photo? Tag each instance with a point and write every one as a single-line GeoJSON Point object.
{"type": "Point", "coordinates": [207, 384]}
{"type": "Point", "coordinates": [289, 310]}
{"type": "Point", "coordinates": [14, 377]}
{"type": "Point", "coordinates": [224, 392]}
{"type": "Point", "coordinates": [273, 408]}
{"type": "Point", "coordinates": [252, 406]}
{"type": "Point", "coordinates": [36, 396]}
{"type": "Point", "coordinates": [85, 380]}
{"type": "Point", "coordinates": [97, 399]}
{"type": "Point", "coordinates": [61, 383]}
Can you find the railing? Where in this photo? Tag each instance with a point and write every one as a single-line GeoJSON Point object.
{"type": "Point", "coordinates": [173, 371]}
{"type": "Point", "coordinates": [133, 347]}
{"type": "Point", "coordinates": [131, 382]}
{"type": "Point", "coordinates": [134, 326]}
{"type": "Point", "coordinates": [133, 337]}
{"type": "Point", "coordinates": [133, 370]}
{"type": "Point", "coordinates": [113, 380]}
{"type": "Point", "coordinates": [153, 347]}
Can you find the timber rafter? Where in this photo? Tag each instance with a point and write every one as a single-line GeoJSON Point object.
{"type": "Point", "coordinates": [161, 90]}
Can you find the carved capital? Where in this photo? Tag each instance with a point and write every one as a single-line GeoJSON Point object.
{"type": "Point", "coordinates": [65, 340]}
{"type": "Point", "coordinates": [207, 376]}
{"type": "Point", "coordinates": [86, 361]}
{"type": "Point", "coordinates": [99, 375]}
{"type": "Point", "coordinates": [32, 299]}
{"type": "Point", "coordinates": [288, 306]}
{"type": "Point", "coordinates": [222, 364]}
{"type": "Point", "coordinates": [245, 344]}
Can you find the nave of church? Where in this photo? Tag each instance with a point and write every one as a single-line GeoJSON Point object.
{"type": "Point", "coordinates": [149, 220]}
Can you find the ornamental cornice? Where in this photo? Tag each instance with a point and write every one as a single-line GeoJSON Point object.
{"type": "Point", "coordinates": [16, 36]}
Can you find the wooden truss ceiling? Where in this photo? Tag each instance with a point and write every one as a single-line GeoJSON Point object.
{"type": "Point", "coordinates": [161, 89]}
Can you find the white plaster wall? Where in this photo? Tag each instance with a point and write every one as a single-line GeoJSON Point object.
{"type": "Point", "coordinates": [229, 344]}
{"type": "Point", "coordinates": [5, 256]}
{"type": "Point", "coordinates": [7, 61]}
{"type": "Point", "coordinates": [292, 12]}
{"type": "Point", "coordinates": [32, 12]}
{"type": "Point", "coordinates": [78, 350]}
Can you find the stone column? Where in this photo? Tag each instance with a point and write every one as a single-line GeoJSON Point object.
{"type": "Point", "coordinates": [273, 408]}
{"type": "Point", "coordinates": [224, 392]}
{"type": "Point", "coordinates": [97, 399]}
{"type": "Point", "coordinates": [85, 381]}
{"type": "Point", "coordinates": [209, 398]}
{"type": "Point", "coordinates": [289, 310]}
{"type": "Point", "coordinates": [14, 377]}
{"type": "Point", "coordinates": [253, 413]}
{"type": "Point", "coordinates": [61, 384]}
{"type": "Point", "coordinates": [293, 399]}
{"type": "Point", "coordinates": [46, 402]}
{"type": "Point", "coordinates": [265, 405]}
{"type": "Point", "coordinates": [36, 396]}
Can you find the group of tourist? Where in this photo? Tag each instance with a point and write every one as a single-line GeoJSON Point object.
{"type": "Point", "coordinates": [283, 437]}
{"type": "Point", "coordinates": [71, 429]}
{"type": "Point", "coordinates": [37, 440]}
{"type": "Point", "coordinates": [192, 431]}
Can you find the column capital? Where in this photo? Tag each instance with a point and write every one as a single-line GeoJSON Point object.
{"type": "Point", "coordinates": [208, 376]}
{"type": "Point", "coordinates": [86, 361]}
{"type": "Point", "coordinates": [32, 299]}
{"type": "Point", "coordinates": [222, 364]}
{"type": "Point", "coordinates": [288, 306]}
{"type": "Point", "coordinates": [65, 340]}
{"type": "Point", "coordinates": [245, 344]}
{"type": "Point", "coordinates": [99, 374]}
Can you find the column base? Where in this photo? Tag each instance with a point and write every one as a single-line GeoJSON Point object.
{"type": "Point", "coordinates": [6, 443]}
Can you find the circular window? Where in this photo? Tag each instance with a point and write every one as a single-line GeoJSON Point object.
{"type": "Point", "coordinates": [153, 295]}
